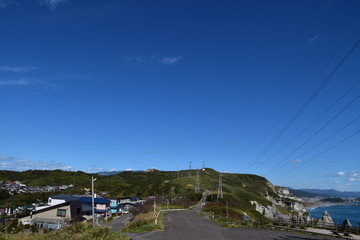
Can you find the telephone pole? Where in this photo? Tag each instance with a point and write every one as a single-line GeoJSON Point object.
{"type": "Point", "coordinates": [220, 192]}
{"type": "Point", "coordinates": [197, 185]}
{"type": "Point", "coordinates": [92, 202]}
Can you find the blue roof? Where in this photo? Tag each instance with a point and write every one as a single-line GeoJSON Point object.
{"type": "Point", "coordinates": [102, 211]}
{"type": "Point", "coordinates": [66, 197]}
{"type": "Point", "coordinates": [96, 200]}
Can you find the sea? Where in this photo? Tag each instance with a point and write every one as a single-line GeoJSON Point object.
{"type": "Point", "coordinates": [338, 213]}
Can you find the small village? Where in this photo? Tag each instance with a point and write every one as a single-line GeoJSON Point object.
{"type": "Point", "coordinates": [63, 209]}
{"type": "Point", "coordinates": [14, 187]}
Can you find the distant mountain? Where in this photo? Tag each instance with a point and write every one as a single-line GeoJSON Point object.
{"type": "Point", "coordinates": [323, 193]}
{"type": "Point", "coordinates": [301, 193]}
{"type": "Point", "coordinates": [110, 173]}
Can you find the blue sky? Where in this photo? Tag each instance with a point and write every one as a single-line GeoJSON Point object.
{"type": "Point", "coordinates": [136, 84]}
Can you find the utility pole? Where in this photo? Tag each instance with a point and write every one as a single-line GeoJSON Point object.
{"type": "Point", "coordinates": [190, 170]}
{"type": "Point", "coordinates": [220, 192]}
{"type": "Point", "coordinates": [92, 198]}
{"type": "Point", "coordinates": [197, 185]}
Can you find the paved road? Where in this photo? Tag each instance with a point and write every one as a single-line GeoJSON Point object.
{"type": "Point", "coordinates": [188, 225]}
{"type": "Point", "coordinates": [119, 223]}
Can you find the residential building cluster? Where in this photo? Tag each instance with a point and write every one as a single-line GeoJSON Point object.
{"type": "Point", "coordinates": [19, 187]}
{"type": "Point", "coordinates": [63, 209]}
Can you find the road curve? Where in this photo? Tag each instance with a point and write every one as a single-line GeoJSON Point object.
{"type": "Point", "coordinates": [188, 225]}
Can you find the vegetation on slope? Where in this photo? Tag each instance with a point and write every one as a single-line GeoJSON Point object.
{"type": "Point", "coordinates": [239, 189]}
{"type": "Point", "coordinates": [77, 232]}
{"type": "Point", "coordinates": [333, 200]}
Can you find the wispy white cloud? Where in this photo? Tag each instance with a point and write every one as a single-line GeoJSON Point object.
{"type": "Point", "coordinates": [16, 69]}
{"type": "Point", "coordinates": [135, 59]}
{"type": "Point", "coordinates": [296, 161]}
{"type": "Point", "coordinates": [329, 3]}
{"type": "Point", "coordinates": [152, 152]}
{"type": "Point", "coordinates": [169, 60]}
{"type": "Point", "coordinates": [95, 170]}
{"type": "Point", "coordinates": [20, 82]}
{"type": "Point", "coordinates": [5, 3]}
{"type": "Point", "coordinates": [314, 38]}
{"type": "Point", "coordinates": [325, 161]}
{"type": "Point", "coordinates": [349, 176]}
{"type": "Point", "coordinates": [20, 164]}
{"type": "Point", "coordinates": [52, 3]}
{"type": "Point", "coordinates": [34, 83]}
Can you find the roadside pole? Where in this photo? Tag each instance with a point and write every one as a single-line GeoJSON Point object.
{"type": "Point", "coordinates": [92, 202]}
{"type": "Point", "coordinates": [155, 215]}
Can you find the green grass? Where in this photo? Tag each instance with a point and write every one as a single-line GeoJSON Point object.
{"type": "Point", "coordinates": [144, 222]}
{"type": "Point", "coordinates": [238, 189]}
{"type": "Point", "coordinates": [77, 232]}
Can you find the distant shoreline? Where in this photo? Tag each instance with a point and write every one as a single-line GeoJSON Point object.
{"type": "Point", "coordinates": [324, 204]}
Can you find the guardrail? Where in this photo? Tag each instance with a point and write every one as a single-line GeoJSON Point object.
{"type": "Point", "coordinates": [315, 224]}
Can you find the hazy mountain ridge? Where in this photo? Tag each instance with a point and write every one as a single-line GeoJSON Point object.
{"type": "Point", "coordinates": [323, 193]}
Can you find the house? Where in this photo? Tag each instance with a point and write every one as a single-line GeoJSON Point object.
{"type": "Point", "coordinates": [114, 205]}
{"type": "Point", "coordinates": [60, 198]}
{"type": "Point", "coordinates": [55, 216]}
{"type": "Point", "coordinates": [102, 206]}
{"type": "Point", "coordinates": [57, 199]}
{"type": "Point", "coordinates": [128, 203]}
{"type": "Point", "coordinates": [129, 200]}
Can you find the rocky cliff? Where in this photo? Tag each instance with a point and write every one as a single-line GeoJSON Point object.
{"type": "Point", "coordinates": [283, 205]}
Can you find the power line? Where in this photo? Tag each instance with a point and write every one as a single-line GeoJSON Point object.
{"type": "Point", "coordinates": [314, 121]}
{"type": "Point", "coordinates": [308, 86]}
{"type": "Point", "coordinates": [306, 104]}
{"type": "Point", "coordinates": [319, 130]}
{"type": "Point", "coordinates": [328, 149]}
{"type": "Point", "coordinates": [324, 140]}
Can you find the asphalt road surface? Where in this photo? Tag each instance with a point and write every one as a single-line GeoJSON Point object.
{"type": "Point", "coordinates": [119, 223]}
{"type": "Point", "coordinates": [188, 225]}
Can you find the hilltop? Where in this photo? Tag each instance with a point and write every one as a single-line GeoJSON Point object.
{"type": "Point", "coordinates": [243, 194]}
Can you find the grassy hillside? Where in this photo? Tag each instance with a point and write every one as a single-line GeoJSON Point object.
{"type": "Point", "coordinates": [238, 189]}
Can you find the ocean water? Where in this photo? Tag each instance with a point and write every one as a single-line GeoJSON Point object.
{"type": "Point", "coordinates": [339, 212]}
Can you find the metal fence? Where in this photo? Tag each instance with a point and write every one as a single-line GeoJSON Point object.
{"type": "Point", "coordinates": [317, 224]}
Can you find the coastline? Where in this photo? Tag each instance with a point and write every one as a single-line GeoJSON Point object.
{"type": "Point", "coordinates": [324, 204]}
